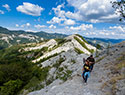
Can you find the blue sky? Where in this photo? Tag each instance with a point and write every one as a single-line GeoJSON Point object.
{"type": "Point", "coordinates": [90, 18]}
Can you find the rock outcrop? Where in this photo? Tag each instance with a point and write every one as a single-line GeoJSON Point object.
{"type": "Point", "coordinates": [107, 77]}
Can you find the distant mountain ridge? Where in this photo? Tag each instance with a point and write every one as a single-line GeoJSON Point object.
{"type": "Point", "coordinates": [106, 40]}
{"type": "Point", "coordinates": [12, 37]}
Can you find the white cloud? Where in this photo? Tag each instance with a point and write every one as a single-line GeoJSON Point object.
{"type": "Point", "coordinates": [76, 3]}
{"type": "Point", "coordinates": [7, 7]}
{"type": "Point", "coordinates": [58, 11]}
{"type": "Point", "coordinates": [38, 19]}
{"type": "Point", "coordinates": [82, 27]}
{"type": "Point", "coordinates": [38, 26]}
{"type": "Point", "coordinates": [17, 25]}
{"type": "Point", "coordinates": [22, 26]}
{"type": "Point", "coordinates": [61, 21]}
{"type": "Point", "coordinates": [1, 12]}
{"type": "Point", "coordinates": [31, 31]}
{"type": "Point", "coordinates": [30, 9]}
{"type": "Point", "coordinates": [93, 11]}
{"type": "Point", "coordinates": [71, 15]}
{"type": "Point", "coordinates": [69, 22]}
{"type": "Point", "coordinates": [55, 20]}
{"type": "Point", "coordinates": [104, 33]}
{"type": "Point", "coordinates": [52, 26]}
{"type": "Point", "coordinates": [25, 25]}
{"type": "Point", "coordinates": [118, 28]}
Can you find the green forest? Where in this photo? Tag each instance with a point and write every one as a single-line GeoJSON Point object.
{"type": "Point", "coordinates": [17, 71]}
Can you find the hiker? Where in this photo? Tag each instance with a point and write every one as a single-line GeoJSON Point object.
{"type": "Point", "coordinates": [86, 71]}
{"type": "Point", "coordinates": [91, 61]}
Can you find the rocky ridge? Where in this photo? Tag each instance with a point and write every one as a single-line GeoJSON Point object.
{"type": "Point", "coordinates": [107, 77]}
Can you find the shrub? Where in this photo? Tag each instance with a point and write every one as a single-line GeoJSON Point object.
{"type": "Point", "coordinates": [73, 61]}
{"type": "Point", "coordinates": [46, 58]}
{"type": "Point", "coordinates": [60, 41]}
{"type": "Point", "coordinates": [11, 87]}
{"type": "Point", "coordinates": [83, 44]}
{"type": "Point", "coordinates": [34, 84]}
{"type": "Point", "coordinates": [78, 51]}
{"type": "Point", "coordinates": [82, 38]}
{"type": "Point", "coordinates": [60, 69]}
{"type": "Point", "coordinates": [66, 75]}
{"type": "Point", "coordinates": [58, 62]}
{"type": "Point", "coordinates": [15, 66]}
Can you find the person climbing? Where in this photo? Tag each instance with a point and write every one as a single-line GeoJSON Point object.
{"type": "Point", "coordinates": [86, 71]}
{"type": "Point", "coordinates": [91, 61]}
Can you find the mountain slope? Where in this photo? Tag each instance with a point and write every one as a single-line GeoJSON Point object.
{"type": "Point", "coordinates": [107, 77]}
{"type": "Point", "coordinates": [52, 60]}
{"type": "Point", "coordinates": [103, 42]}
{"type": "Point", "coordinates": [12, 37]}
{"type": "Point", "coordinates": [54, 67]}
{"type": "Point", "coordinates": [70, 42]}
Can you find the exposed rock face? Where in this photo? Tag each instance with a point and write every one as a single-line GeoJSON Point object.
{"type": "Point", "coordinates": [49, 44]}
{"type": "Point", "coordinates": [71, 43]}
{"type": "Point", "coordinates": [107, 77]}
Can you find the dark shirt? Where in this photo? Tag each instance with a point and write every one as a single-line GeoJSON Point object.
{"type": "Point", "coordinates": [86, 68]}
{"type": "Point", "coordinates": [91, 59]}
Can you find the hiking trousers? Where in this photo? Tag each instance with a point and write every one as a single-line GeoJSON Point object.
{"type": "Point", "coordinates": [85, 75]}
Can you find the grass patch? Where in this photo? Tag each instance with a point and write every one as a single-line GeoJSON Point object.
{"type": "Point", "coordinates": [49, 81]}
{"type": "Point", "coordinates": [121, 65]}
{"type": "Point", "coordinates": [83, 45]}
{"type": "Point", "coordinates": [78, 51]}
{"type": "Point", "coordinates": [82, 38]}
{"type": "Point", "coordinates": [66, 75]}
{"type": "Point", "coordinates": [100, 59]}
{"type": "Point", "coordinates": [113, 82]}
{"type": "Point", "coordinates": [60, 69]}
{"type": "Point", "coordinates": [60, 42]}
{"type": "Point", "coordinates": [122, 57]}
{"type": "Point", "coordinates": [73, 61]}
{"type": "Point", "coordinates": [46, 58]}
{"type": "Point", "coordinates": [36, 82]}
{"type": "Point", "coordinates": [34, 54]}
{"type": "Point", "coordinates": [58, 63]}
{"type": "Point", "coordinates": [121, 62]}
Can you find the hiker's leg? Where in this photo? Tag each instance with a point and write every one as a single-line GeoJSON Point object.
{"type": "Point", "coordinates": [86, 77]}
{"type": "Point", "coordinates": [83, 75]}
{"type": "Point", "coordinates": [91, 67]}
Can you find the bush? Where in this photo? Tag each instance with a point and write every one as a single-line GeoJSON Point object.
{"type": "Point", "coordinates": [58, 63]}
{"type": "Point", "coordinates": [73, 61]}
{"type": "Point", "coordinates": [66, 75]}
{"type": "Point", "coordinates": [60, 41]}
{"type": "Point", "coordinates": [46, 58]}
{"type": "Point", "coordinates": [11, 87]}
{"type": "Point", "coordinates": [13, 66]}
{"type": "Point", "coordinates": [78, 51]}
{"type": "Point", "coordinates": [83, 45]}
{"type": "Point", "coordinates": [82, 38]}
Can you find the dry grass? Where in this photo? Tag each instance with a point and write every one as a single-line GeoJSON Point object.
{"type": "Point", "coordinates": [100, 59]}
{"type": "Point", "coordinates": [112, 83]}
{"type": "Point", "coordinates": [121, 65]}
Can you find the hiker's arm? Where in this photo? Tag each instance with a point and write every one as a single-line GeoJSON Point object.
{"type": "Point", "coordinates": [84, 60]}
{"type": "Point", "coordinates": [82, 69]}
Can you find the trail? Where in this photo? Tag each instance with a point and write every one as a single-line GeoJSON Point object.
{"type": "Point", "coordinates": [76, 85]}
{"type": "Point", "coordinates": [102, 72]}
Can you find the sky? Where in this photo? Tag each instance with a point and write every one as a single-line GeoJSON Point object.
{"type": "Point", "coordinates": [90, 18]}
